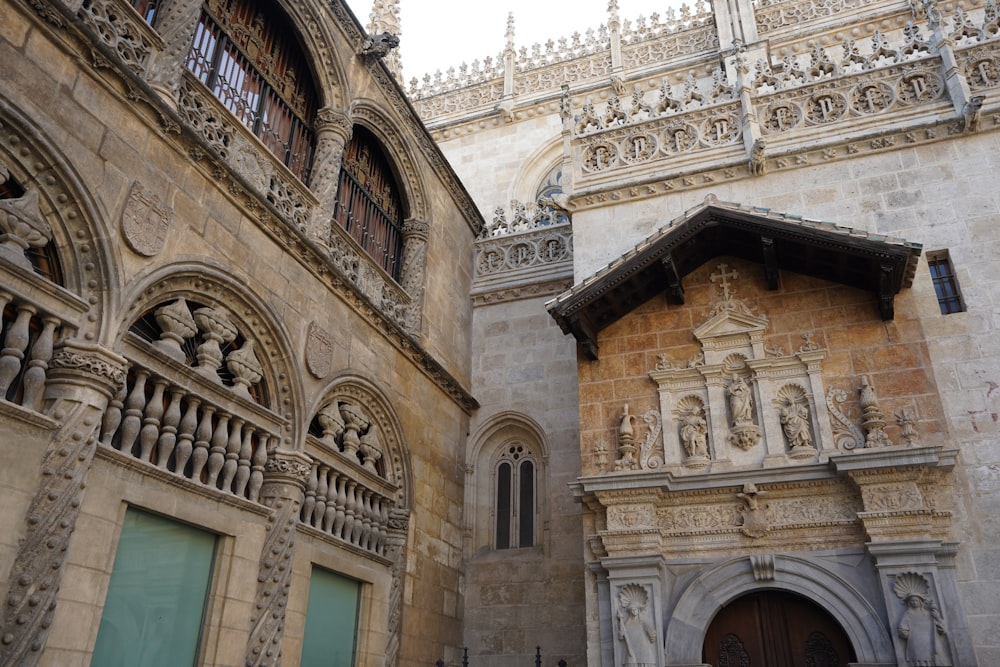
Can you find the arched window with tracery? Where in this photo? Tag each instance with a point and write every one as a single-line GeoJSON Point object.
{"type": "Point", "coordinates": [369, 206]}
{"type": "Point", "coordinates": [516, 497]}
{"type": "Point", "coordinates": [248, 55]}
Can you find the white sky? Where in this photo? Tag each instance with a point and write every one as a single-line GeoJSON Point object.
{"type": "Point", "coordinates": [438, 35]}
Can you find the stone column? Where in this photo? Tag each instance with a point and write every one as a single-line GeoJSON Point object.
{"type": "Point", "coordinates": [333, 131]}
{"type": "Point", "coordinates": [399, 526]}
{"type": "Point", "coordinates": [414, 267]}
{"type": "Point", "coordinates": [81, 380]}
{"type": "Point", "coordinates": [175, 22]}
{"type": "Point", "coordinates": [285, 475]}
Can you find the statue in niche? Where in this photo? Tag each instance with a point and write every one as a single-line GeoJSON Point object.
{"type": "Point", "coordinates": [635, 628]}
{"type": "Point", "coordinates": [740, 401]}
{"type": "Point", "coordinates": [921, 626]}
{"type": "Point", "coordinates": [694, 434]}
{"type": "Point", "coordinates": [795, 423]}
{"type": "Point", "coordinates": [744, 433]}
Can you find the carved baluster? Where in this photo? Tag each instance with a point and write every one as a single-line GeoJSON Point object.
{"type": "Point", "coordinates": [41, 353]}
{"type": "Point", "coordinates": [384, 511]}
{"type": "Point", "coordinates": [232, 454]}
{"type": "Point", "coordinates": [375, 541]}
{"type": "Point", "coordinates": [14, 345]}
{"type": "Point", "coordinates": [366, 519]}
{"type": "Point", "coordinates": [349, 511]}
{"type": "Point", "coordinates": [150, 432]}
{"type": "Point", "coordinates": [217, 451]}
{"type": "Point", "coordinates": [185, 440]}
{"type": "Point", "coordinates": [354, 510]}
{"type": "Point", "coordinates": [257, 468]}
{"type": "Point", "coordinates": [133, 413]}
{"type": "Point", "coordinates": [112, 417]}
{"type": "Point", "coordinates": [341, 506]}
{"type": "Point", "coordinates": [243, 465]}
{"type": "Point", "coordinates": [309, 504]}
{"type": "Point", "coordinates": [202, 441]}
{"type": "Point", "coordinates": [322, 489]}
{"type": "Point", "coordinates": [331, 504]}
{"type": "Point", "coordinates": [168, 431]}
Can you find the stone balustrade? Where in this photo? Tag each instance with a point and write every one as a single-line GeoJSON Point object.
{"type": "Point", "coordinates": [346, 500]}
{"type": "Point", "coordinates": [191, 428]}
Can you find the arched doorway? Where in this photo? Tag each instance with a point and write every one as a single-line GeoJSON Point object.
{"type": "Point", "coordinates": [775, 629]}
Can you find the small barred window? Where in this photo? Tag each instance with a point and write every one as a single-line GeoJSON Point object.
{"type": "Point", "coordinates": [945, 282]}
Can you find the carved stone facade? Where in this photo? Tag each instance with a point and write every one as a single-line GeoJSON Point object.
{"type": "Point", "coordinates": [181, 337]}
{"type": "Point", "coordinates": [734, 209]}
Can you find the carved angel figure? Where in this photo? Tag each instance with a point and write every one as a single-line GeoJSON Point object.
{"type": "Point", "coordinates": [635, 628]}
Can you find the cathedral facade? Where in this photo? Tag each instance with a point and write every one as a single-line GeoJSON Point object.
{"type": "Point", "coordinates": [668, 344]}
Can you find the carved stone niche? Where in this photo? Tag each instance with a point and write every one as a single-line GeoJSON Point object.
{"type": "Point", "coordinates": [736, 404]}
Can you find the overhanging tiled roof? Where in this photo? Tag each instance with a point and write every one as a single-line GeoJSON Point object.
{"type": "Point", "coordinates": [778, 241]}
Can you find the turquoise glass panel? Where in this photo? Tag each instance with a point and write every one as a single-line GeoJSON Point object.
{"type": "Point", "coordinates": [155, 605]}
{"type": "Point", "coordinates": [331, 621]}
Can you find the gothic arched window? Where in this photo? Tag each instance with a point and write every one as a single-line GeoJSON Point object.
{"type": "Point", "coordinates": [516, 503]}
{"type": "Point", "coordinates": [248, 56]}
{"type": "Point", "coordinates": [368, 205]}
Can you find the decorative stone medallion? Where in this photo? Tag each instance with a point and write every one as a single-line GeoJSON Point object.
{"type": "Point", "coordinates": [319, 351]}
{"type": "Point", "coordinates": [145, 221]}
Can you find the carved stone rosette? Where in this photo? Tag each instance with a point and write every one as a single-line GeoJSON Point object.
{"type": "Point", "coordinates": [81, 380]}
{"type": "Point", "coordinates": [285, 476]}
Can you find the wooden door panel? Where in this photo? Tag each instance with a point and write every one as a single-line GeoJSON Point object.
{"type": "Point", "coordinates": [775, 629]}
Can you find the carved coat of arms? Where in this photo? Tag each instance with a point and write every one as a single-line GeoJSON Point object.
{"type": "Point", "coordinates": [145, 221]}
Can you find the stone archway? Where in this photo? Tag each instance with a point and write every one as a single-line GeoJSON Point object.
{"type": "Point", "coordinates": [718, 586]}
{"type": "Point", "coordinates": [778, 629]}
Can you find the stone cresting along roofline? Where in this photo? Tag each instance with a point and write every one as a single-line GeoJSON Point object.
{"type": "Point", "coordinates": [865, 260]}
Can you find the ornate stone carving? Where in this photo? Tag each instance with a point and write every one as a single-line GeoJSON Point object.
{"type": "Point", "coordinates": [846, 432]}
{"type": "Point", "coordinates": [246, 369]}
{"type": "Point", "coordinates": [755, 521]}
{"type": "Point", "coordinates": [51, 516]}
{"type": "Point", "coordinates": [793, 413]}
{"type": "Point", "coordinates": [122, 32]}
{"type": "Point", "coordinates": [145, 221]}
{"type": "Point", "coordinates": [22, 226]}
{"type": "Point", "coordinates": [176, 325]}
{"type": "Point", "coordinates": [694, 435]}
{"type": "Point", "coordinates": [649, 455]}
{"type": "Point", "coordinates": [872, 418]}
{"type": "Point", "coordinates": [284, 481]}
{"type": "Point", "coordinates": [319, 351]}
{"type": "Point", "coordinates": [635, 628]}
{"type": "Point", "coordinates": [744, 433]}
{"type": "Point", "coordinates": [921, 626]}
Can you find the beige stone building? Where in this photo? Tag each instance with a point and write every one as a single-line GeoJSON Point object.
{"type": "Point", "coordinates": [668, 344]}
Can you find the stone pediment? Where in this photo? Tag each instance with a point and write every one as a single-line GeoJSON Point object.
{"type": "Point", "coordinates": [730, 328]}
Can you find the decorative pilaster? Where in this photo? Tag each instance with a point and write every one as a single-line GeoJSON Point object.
{"type": "Point", "coordinates": [414, 265]}
{"type": "Point", "coordinates": [175, 22]}
{"type": "Point", "coordinates": [615, 30]}
{"type": "Point", "coordinates": [399, 524]}
{"type": "Point", "coordinates": [81, 380]}
{"type": "Point", "coordinates": [285, 475]}
{"type": "Point", "coordinates": [333, 131]}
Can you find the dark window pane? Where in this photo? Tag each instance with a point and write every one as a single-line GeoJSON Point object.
{"type": "Point", "coordinates": [503, 505]}
{"type": "Point", "coordinates": [526, 505]}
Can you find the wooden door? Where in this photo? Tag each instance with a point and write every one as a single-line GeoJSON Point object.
{"type": "Point", "coordinates": [775, 629]}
